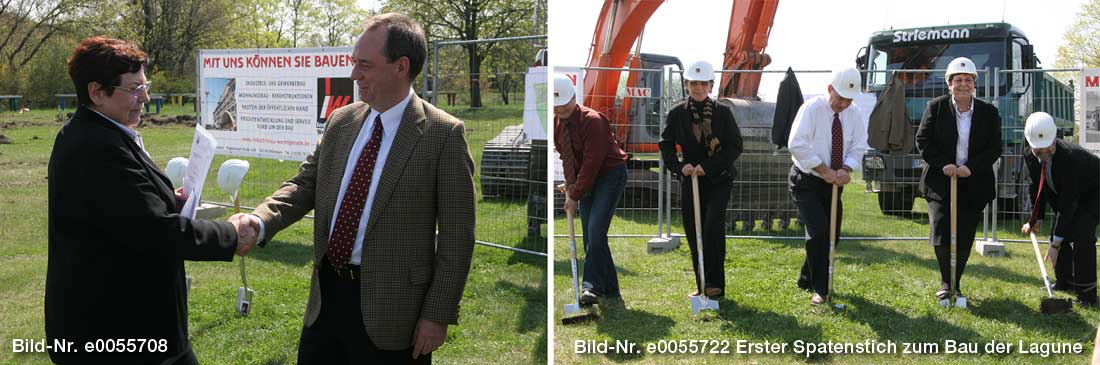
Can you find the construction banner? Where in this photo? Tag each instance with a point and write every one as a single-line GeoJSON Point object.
{"type": "Point", "coordinates": [1090, 110]}
{"type": "Point", "coordinates": [534, 104]}
{"type": "Point", "coordinates": [272, 103]}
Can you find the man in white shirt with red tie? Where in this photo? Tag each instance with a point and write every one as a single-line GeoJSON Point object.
{"type": "Point", "coordinates": [391, 187]}
{"type": "Point", "coordinates": [827, 142]}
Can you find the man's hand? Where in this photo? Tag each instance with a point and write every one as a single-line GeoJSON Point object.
{"type": "Point", "coordinates": [1028, 228]}
{"type": "Point", "coordinates": [842, 177]}
{"type": "Point", "coordinates": [699, 171]}
{"type": "Point", "coordinates": [181, 195]}
{"type": "Point", "coordinates": [687, 170]}
{"type": "Point", "coordinates": [829, 175]}
{"type": "Point", "coordinates": [429, 335]}
{"type": "Point", "coordinates": [1052, 254]}
{"type": "Point", "coordinates": [570, 206]}
{"type": "Point", "coordinates": [950, 170]}
{"type": "Point", "coordinates": [247, 227]}
{"type": "Point", "coordinates": [963, 171]}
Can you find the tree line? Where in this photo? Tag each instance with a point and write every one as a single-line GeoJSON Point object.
{"type": "Point", "coordinates": [37, 36]}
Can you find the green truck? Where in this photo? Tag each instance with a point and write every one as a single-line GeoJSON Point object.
{"type": "Point", "coordinates": [894, 177]}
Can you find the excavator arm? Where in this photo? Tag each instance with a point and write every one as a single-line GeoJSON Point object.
{"type": "Point", "coordinates": [618, 27]}
{"type": "Point", "coordinates": [750, 25]}
{"type": "Point", "coordinates": [621, 23]}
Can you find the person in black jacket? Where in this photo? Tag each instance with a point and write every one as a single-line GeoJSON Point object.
{"type": "Point", "coordinates": [1065, 177]}
{"type": "Point", "coordinates": [710, 142]}
{"type": "Point", "coordinates": [960, 136]}
{"type": "Point", "coordinates": [116, 240]}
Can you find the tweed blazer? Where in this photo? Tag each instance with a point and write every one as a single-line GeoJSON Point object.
{"type": "Point", "coordinates": [419, 237]}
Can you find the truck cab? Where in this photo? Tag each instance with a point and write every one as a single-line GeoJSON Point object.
{"type": "Point", "coordinates": [903, 53]}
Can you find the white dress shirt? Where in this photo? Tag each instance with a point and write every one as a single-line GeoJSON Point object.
{"type": "Point", "coordinates": [129, 132]}
{"type": "Point", "coordinates": [391, 120]}
{"type": "Point", "coordinates": [962, 122]}
{"type": "Point", "coordinates": [811, 139]}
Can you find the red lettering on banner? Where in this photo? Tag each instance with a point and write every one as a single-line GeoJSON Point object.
{"type": "Point", "coordinates": [332, 60]}
{"type": "Point", "coordinates": [1093, 81]}
{"type": "Point", "coordinates": [637, 92]}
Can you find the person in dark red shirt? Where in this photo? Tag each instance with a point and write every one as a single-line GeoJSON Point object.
{"type": "Point", "coordinates": [595, 177]}
{"type": "Point", "coordinates": [710, 142]}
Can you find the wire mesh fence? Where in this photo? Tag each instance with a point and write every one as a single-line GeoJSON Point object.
{"type": "Point", "coordinates": [760, 204]}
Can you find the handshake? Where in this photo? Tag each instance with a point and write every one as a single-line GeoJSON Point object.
{"type": "Point", "coordinates": [248, 231]}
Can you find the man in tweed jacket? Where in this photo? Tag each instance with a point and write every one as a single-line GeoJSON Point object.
{"type": "Point", "coordinates": [392, 299]}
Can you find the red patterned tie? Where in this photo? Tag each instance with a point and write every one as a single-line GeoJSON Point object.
{"type": "Point", "coordinates": [355, 195]}
{"type": "Point", "coordinates": [838, 143]}
{"type": "Point", "coordinates": [1035, 203]}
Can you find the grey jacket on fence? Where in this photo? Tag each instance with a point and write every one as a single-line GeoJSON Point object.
{"type": "Point", "coordinates": [889, 128]}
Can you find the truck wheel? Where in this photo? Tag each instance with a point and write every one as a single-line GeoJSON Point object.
{"type": "Point", "coordinates": [895, 202]}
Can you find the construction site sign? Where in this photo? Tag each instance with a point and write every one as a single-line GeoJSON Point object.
{"type": "Point", "coordinates": [272, 103]}
{"type": "Point", "coordinates": [534, 104]}
{"type": "Point", "coordinates": [1090, 110]}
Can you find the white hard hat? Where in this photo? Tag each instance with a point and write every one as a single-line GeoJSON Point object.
{"type": "Point", "coordinates": [231, 174]}
{"type": "Point", "coordinates": [176, 169]}
{"type": "Point", "coordinates": [1040, 130]}
{"type": "Point", "coordinates": [961, 65]}
{"type": "Point", "coordinates": [846, 82]}
{"type": "Point", "coordinates": [699, 71]}
{"type": "Point", "coordinates": [564, 90]}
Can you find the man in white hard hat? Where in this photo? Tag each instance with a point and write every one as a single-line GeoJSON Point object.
{"type": "Point", "coordinates": [1065, 177]}
{"type": "Point", "coordinates": [827, 142]}
{"type": "Point", "coordinates": [710, 142]}
{"type": "Point", "coordinates": [595, 177]}
{"type": "Point", "coordinates": [959, 136]}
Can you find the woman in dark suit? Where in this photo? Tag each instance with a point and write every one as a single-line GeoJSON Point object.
{"type": "Point", "coordinates": [117, 241]}
{"type": "Point", "coordinates": [710, 142]}
{"type": "Point", "coordinates": [959, 136]}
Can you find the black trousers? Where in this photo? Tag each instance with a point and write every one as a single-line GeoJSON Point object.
{"type": "Point", "coordinates": [939, 218]}
{"type": "Point", "coordinates": [1063, 273]}
{"type": "Point", "coordinates": [1077, 258]}
{"type": "Point", "coordinates": [813, 196]}
{"type": "Point", "coordinates": [338, 336]}
{"type": "Point", "coordinates": [713, 198]}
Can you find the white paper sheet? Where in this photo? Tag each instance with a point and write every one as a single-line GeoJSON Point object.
{"type": "Point", "coordinates": [202, 154]}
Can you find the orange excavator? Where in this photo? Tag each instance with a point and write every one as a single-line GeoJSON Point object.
{"type": "Point", "coordinates": [635, 116]}
{"type": "Point", "coordinates": [620, 26]}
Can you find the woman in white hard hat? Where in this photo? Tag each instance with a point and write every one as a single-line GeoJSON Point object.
{"type": "Point", "coordinates": [710, 142]}
{"type": "Point", "coordinates": [959, 136]}
{"type": "Point", "coordinates": [1065, 177]}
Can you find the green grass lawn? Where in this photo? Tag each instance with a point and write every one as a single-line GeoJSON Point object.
{"type": "Point", "coordinates": [886, 286]}
{"type": "Point", "coordinates": [503, 310]}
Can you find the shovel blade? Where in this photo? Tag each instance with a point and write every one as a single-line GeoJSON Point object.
{"type": "Point", "coordinates": [960, 302]}
{"type": "Point", "coordinates": [572, 308]}
{"type": "Point", "coordinates": [701, 303]}
{"type": "Point", "coordinates": [945, 302]}
{"type": "Point", "coordinates": [1055, 306]}
{"type": "Point", "coordinates": [244, 301]}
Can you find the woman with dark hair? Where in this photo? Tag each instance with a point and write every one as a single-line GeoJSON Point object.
{"type": "Point", "coordinates": [710, 142]}
{"type": "Point", "coordinates": [116, 239]}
